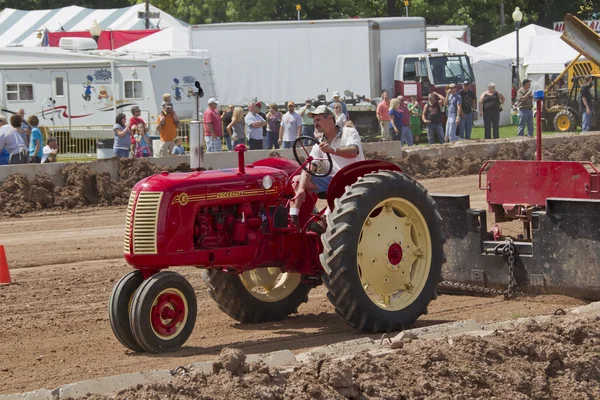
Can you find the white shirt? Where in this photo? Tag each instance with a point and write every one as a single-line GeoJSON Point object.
{"type": "Point", "coordinates": [345, 137]}
{"type": "Point", "coordinates": [254, 133]}
{"type": "Point", "coordinates": [46, 153]}
{"type": "Point", "coordinates": [290, 123]}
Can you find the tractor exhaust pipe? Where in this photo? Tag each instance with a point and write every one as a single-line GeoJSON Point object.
{"type": "Point", "coordinates": [197, 133]}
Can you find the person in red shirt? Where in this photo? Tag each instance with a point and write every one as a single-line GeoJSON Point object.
{"type": "Point", "coordinates": [406, 136]}
{"type": "Point", "coordinates": [213, 127]}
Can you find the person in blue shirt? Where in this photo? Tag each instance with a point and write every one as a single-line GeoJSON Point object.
{"type": "Point", "coordinates": [453, 103]}
{"type": "Point", "coordinates": [178, 150]}
{"type": "Point", "coordinates": [36, 150]}
{"type": "Point", "coordinates": [395, 119]}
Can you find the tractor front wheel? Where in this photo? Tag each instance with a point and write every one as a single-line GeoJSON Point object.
{"type": "Point", "coordinates": [163, 312]}
{"type": "Point", "coordinates": [383, 252]}
{"type": "Point", "coordinates": [259, 295]}
{"type": "Point", "coordinates": [565, 121]}
{"type": "Point", "coordinates": [119, 306]}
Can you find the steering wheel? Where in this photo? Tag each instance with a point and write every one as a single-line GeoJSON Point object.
{"type": "Point", "coordinates": [300, 140]}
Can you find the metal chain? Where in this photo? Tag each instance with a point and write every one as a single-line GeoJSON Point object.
{"type": "Point", "coordinates": [509, 249]}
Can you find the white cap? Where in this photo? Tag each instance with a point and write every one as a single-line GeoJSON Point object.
{"type": "Point", "coordinates": [336, 94]}
{"type": "Point", "coordinates": [212, 100]}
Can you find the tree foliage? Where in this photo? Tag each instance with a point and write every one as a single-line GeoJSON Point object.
{"type": "Point", "coordinates": [483, 16]}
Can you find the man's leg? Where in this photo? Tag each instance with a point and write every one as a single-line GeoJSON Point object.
{"type": "Point", "coordinates": [585, 121]}
{"type": "Point", "coordinates": [461, 126]}
{"type": "Point", "coordinates": [305, 183]}
{"type": "Point", "coordinates": [530, 123]}
{"type": "Point", "coordinates": [440, 133]}
{"type": "Point", "coordinates": [468, 125]}
{"type": "Point", "coordinates": [407, 136]}
{"type": "Point", "coordinates": [522, 122]}
{"type": "Point", "coordinates": [430, 133]}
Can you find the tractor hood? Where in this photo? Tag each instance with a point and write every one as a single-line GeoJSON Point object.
{"type": "Point", "coordinates": [225, 183]}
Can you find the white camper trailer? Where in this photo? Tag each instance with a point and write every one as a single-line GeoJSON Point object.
{"type": "Point", "coordinates": [72, 86]}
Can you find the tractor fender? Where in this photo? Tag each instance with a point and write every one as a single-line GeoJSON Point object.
{"type": "Point", "coordinates": [283, 164]}
{"type": "Point", "coordinates": [350, 174]}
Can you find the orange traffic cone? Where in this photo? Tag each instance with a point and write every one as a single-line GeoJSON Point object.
{"type": "Point", "coordinates": [4, 272]}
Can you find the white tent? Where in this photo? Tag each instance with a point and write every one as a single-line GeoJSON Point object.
{"type": "Point", "coordinates": [14, 32]}
{"type": "Point", "coordinates": [173, 38]}
{"type": "Point", "coordinates": [507, 44]}
{"type": "Point", "coordinates": [547, 54]}
{"type": "Point", "coordinates": [487, 68]}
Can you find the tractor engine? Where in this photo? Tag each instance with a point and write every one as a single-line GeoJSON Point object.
{"type": "Point", "coordinates": [224, 226]}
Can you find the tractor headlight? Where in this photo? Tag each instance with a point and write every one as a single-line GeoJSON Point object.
{"type": "Point", "coordinates": [267, 182]}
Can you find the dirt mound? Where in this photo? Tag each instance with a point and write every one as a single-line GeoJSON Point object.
{"type": "Point", "coordinates": [589, 150]}
{"type": "Point", "coordinates": [553, 360]}
{"type": "Point", "coordinates": [19, 195]}
{"type": "Point", "coordinates": [83, 187]}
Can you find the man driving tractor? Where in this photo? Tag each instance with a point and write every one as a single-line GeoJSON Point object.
{"type": "Point", "coordinates": [344, 146]}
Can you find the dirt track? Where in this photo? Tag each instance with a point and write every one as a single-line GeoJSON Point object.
{"type": "Point", "coordinates": [55, 326]}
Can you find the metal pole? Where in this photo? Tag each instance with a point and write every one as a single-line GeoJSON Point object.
{"type": "Point", "coordinates": [407, 11]}
{"type": "Point", "coordinates": [538, 139]}
{"type": "Point", "coordinates": [517, 66]}
{"type": "Point", "coordinates": [298, 15]}
{"type": "Point", "coordinates": [147, 14]}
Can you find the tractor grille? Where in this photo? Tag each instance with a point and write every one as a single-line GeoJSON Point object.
{"type": "Point", "coordinates": [145, 221]}
{"type": "Point", "coordinates": [127, 244]}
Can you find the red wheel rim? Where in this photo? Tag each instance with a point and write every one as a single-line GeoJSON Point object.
{"type": "Point", "coordinates": [169, 313]}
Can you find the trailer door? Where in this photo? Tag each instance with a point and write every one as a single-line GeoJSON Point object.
{"type": "Point", "coordinates": [57, 108]}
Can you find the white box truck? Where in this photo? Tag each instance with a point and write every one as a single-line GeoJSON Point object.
{"type": "Point", "coordinates": [72, 88]}
{"type": "Point", "coordinates": [277, 61]}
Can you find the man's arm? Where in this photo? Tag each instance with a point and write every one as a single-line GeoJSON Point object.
{"type": "Point", "coordinates": [585, 103]}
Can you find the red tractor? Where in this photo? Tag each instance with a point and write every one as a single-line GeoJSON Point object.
{"type": "Point", "coordinates": [380, 258]}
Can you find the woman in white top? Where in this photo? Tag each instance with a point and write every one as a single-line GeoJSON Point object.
{"type": "Point", "coordinates": [340, 117]}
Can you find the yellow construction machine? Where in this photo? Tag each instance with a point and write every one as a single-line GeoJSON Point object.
{"type": "Point", "coordinates": [561, 105]}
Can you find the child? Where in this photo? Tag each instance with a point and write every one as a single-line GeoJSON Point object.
{"type": "Point", "coordinates": [167, 102]}
{"type": "Point", "coordinates": [178, 150]}
{"type": "Point", "coordinates": [142, 148]}
{"type": "Point", "coordinates": [166, 99]}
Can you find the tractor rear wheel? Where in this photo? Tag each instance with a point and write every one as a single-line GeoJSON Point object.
{"type": "Point", "coordinates": [565, 121]}
{"type": "Point", "coordinates": [119, 306]}
{"type": "Point", "coordinates": [259, 295]}
{"type": "Point", "coordinates": [163, 312]}
{"type": "Point", "coordinates": [383, 252]}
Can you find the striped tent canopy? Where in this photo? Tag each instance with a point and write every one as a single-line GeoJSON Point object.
{"type": "Point", "coordinates": [19, 27]}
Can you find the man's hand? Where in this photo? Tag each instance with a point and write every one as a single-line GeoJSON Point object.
{"type": "Point", "coordinates": [326, 148]}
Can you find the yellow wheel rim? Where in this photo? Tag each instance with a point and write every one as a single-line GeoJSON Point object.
{"type": "Point", "coordinates": [270, 284]}
{"type": "Point", "coordinates": [169, 313]}
{"type": "Point", "coordinates": [394, 254]}
{"type": "Point", "coordinates": [563, 123]}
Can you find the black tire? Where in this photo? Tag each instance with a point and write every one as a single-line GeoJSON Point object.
{"type": "Point", "coordinates": [234, 299]}
{"type": "Point", "coordinates": [565, 121]}
{"type": "Point", "coordinates": [153, 289]}
{"type": "Point", "coordinates": [118, 309]}
{"type": "Point", "coordinates": [340, 252]}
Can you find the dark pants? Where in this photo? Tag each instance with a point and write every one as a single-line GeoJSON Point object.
{"type": "Point", "coordinates": [255, 144]}
{"type": "Point", "coordinates": [35, 160]}
{"type": "Point", "coordinates": [272, 140]}
{"type": "Point", "coordinates": [491, 120]}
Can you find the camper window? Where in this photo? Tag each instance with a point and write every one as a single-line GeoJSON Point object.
{"type": "Point", "coordinates": [133, 90]}
{"type": "Point", "coordinates": [19, 92]}
{"type": "Point", "coordinates": [59, 86]}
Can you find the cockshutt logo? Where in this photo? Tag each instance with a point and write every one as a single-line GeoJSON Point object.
{"type": "Point", "coordinates": [223, 195]}
{"type": "Point", "coordinates": [102, 75]}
